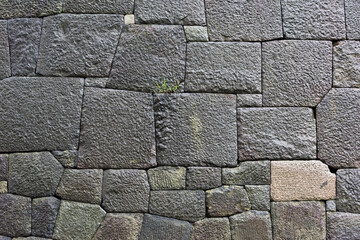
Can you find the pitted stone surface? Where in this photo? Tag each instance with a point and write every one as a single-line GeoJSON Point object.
{"type": "Point", "coordinates": [67, 158]}
{"type": "Point", "coordinates": [230, 20]}
{"type": "Point", "coordinates": [4, 162]}
{"type": "Point", "coordinates": [259, 197]}
{"type": "Point", "coordinates": [78, 45]}
{"type": "Point", "coordinates": [185, 205]}
{"type": "Point", "coordinates": [276, 133]}
{"type": "Point", "coordinates": [81, 185]}
{"type": "Point", "coordinates": [186, 12]}
{"type": "Point", "coordinates": [249, 172]}
{"type": "Point", "coordinates": [337, 114]}
{"type": "Point", "coordinates": [96, 6]}
{"type": "Point", "coordinates": [165, 178]}
{"type": "Point", "coordinates": [203, 177]}
{"type": "Point", "coordinates": [5, 70]}
{"type": "Point", "coordinates": [352, 10]}
{"type": "Point", "coordinates": [164, 48]}
{"type": "Point", "coordinates": [34, 174]}
{"type": "Point", "coordinates": [223, 67]}
{"type": "Point", "coordinates": [29, 8]}
{"type": "Point", "coordinates": [313, 19]}
{"type": "Point", "coordinates": [211, 229]}
{"type": "Point", "coordinates": [343, 226]}
{"type": "Point", "coordinates": [96, 82]}
{"type": "Point", "coordinates": [15, 215]}
{"type": "Point", "coordinates": [44, 212]}
{"type": "Point", "coordinates": [45, 118]}
{"type": "Point", "coordinates": [196, 33]}
{"type": "Point", "coordinates": [301, 180]}
{"type": "Point", "coordinates": [291, 67]}
{"type": "Point", "coordinates": [125, 190]}
{"type": "Point", "coordinates": [188, 128]}
{"type": "Point", "coordinates": [348, 190]}
{"type": "Point", "coordinates": [3, 187]}
{"type": "Point", "coordinates": [249, 100]}
{"type": "Point", "coordinates": [103, 121]}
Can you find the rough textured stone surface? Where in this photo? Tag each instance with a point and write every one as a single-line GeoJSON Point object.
{"type": "Point", "coordinates": [155, 227]}
{"type": "Point", "coordinates": [29, 8]}
{"type": "Point", "coordinates": [78, 45]}
{"type": "Point", "coordinates": [291, 67]}
{"type": "Point", "coordinates": [96, 82]}
{"type": "Point", "coordinates": [125, 190]}
{"type": "Point", "coordinates": [314, 19]}
{"type": "Point", "coordinates": [103, 121]}
{"type": "Point", "coordinates": [78, 220]}
{"type": "Point", "coordinates": [211, 229]}
{"type": "Point", "coordinates": [67, 158]}
{"type": "Point", "coordinates": [301, 180]}
{"type": "Point", "coordinates": [30, 238]}
{"type": "Point", "coordinates": [331, 206]}
{"type": "Point", "coordinates": [5, 238]}
{"type": "Point", "coordinates": [259, 197]}
{"type": "Point", "coordinates": [81, 185]}
{"type": "Point", "coordinates": [299, 220]}
{"type": "Point", "coordinates": [34, 174]}
{"type": "Point", "coordinates": [182, 204]}
{"type": "Point", "coordinates": [250, 172]}
{"type": "Point", "coordinates": [188, 126]}
{"type": "Point", "coordinates": [226, 200]}
{"type": "Point", "coordinates": [352, 10]}
{"type": "Point", "coordinates": [251, 225]}
{"type": "Point", "coordinates": [96, 6]}
{"type": "Point", "coordinates": [276, 133]}
{"type": "Point", "coordinates": [4, 167]}
{"type": "Point", "coordinates": [348, 190]}
{"type": "Point", "coordinates": [337, 114]}
{"type": "Point", "coordinates": [121, 225]}
{"type": "Point", "coordinates": [249, 100]}
{"type": "Point", "coordinates": [44, 212]}
{"type": "Point", "coordinates": [3, 187]}
{"type": "Point", "coordinates": [223, 67]}
{"type": "Point", "coordinates": [186, 12]}
{"type": "Point", "coordinates": [343, 226]}
{"type": "Point", "coordinates": [196, 33]}
{"type": "Point", "coordinates": [24, 40]}
{"type": "Point", "coordinates": [15, 215]}
{"type": "Point", "coordinates": [230, 20]}
{"type": "Point", "coordinates": [203, 177]}
{"type": "Point", "coordinates": [347, 64]}
{"type": "Point", "coordinates": [5, 70]}
{"type": "Point", "coordinates": [164, 48]}
{"type": "Point", "coordinates": [163, 178]}
{"type": "Point", "coordinates": [45, 118]}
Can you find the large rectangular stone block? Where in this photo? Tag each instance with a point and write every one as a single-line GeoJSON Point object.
{"type": "Point", "coordinates": [352, 11]}
{"type": "Point", "coordinates": [348, 190]}
{"type": "Point", "coordinates": [29, 8]}
{"type": "Point", "coordinates": [4, 51]}
{"type": "Point", "coordinates": [96, 6]}
{"type": "Point", "coordinates": [342, 225]}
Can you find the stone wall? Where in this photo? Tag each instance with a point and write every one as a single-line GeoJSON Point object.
{"type": "Point", "coordinates": [261, 139]}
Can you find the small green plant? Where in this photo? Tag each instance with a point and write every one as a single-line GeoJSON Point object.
{"type": "Point", "coordinates": [165, 88]}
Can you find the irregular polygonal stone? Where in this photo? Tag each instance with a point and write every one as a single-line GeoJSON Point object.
{"type": "Point", "coordinates": [67, 158]}
{"type": "Point", "coordinates": [211, 229]}
{"type": "Point", "coordinates": [112, 139]}
{"type": "Point", "coordinates": [276, 133]}
{"type": "Point", "coordinates": [78, 220]}
{"type": "Point", "coordinates": [5, 70]}
{"type": "Point", "coordinates": [299, 220]}
{"type": "Point", "coordinates": [3, 187]}
{"type": "Point", "coordinates": [81, 185]}
{"type": "Point", "coordinates": [331, 206]}
{"type": "Point", "coordinates": [227, 200]}
{"type": "Point", "coordinates": [301, 180]}
{"type": "Point", "coordinates": [96, 6]}
{"type": "Point", "coordinates": [348, 190]}
{"type": "Point", "coordinates": [223, 67]}
{"type": "Point", "coordinates": [343, 226]}
{"type": "Point", "coordinates": [34, 174]}
{"type": "Point", "coordinates": [188, 126]}
{"type": "Point", "coordinates": [29, 8]}
{"type": "Point", "coordinates": [156, 227]}
{"type": "Point", "coordinates": [45, 118]}
{"type": "Point", "coordinates": [15, 215]}
{"type": "Point", "coordinates": [182, 204]}
{"type": "Point", "coordinates": [196, 33]}
{"type": "Point", "coordinates": [164, 48]}
{"type": "Point", "coordinates": [249, 100]}
{"type": "Point", "coordinates": [230, 20]}
{"type": "Point", "coordinates": [203, 178]}
{"type": "Point", "coordinates": [163, 178]}
{"type": "Point", "coordinates": [125, 190]}
{"type": "Point", "coordinates": [250, 172]}
{"type": "Point", "coordinates": [96, 82]}
{"type": "Point", "coordinates": [347, 64]}
{"type": "Point", "coordinates": [251, 225]}
{"type": "Point", "coordinates": [314, 19]}
{"type": "Point", "coordinates": [352, 10]}
{"type": "Point", "coordinates": [291, 67]}
{"type": "Point", "coordinates": [124, 226]}
{"type": "Point", "coordinates": [188, 12]}
{"type": "Point", "coordinates": [3, 167]}
{"type": "Point", "coordinates": [338, 139]}
{"type": "Point", "coordinates": [78, 45]}
{"type": "Point", "coordinates": [44, 212]}
{"type": "Point", "coordinates": [259, 197]}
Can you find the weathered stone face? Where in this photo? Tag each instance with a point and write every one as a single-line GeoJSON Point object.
{"type": "Point", "coordinates": [165, 178]}
{"type": "Point", "coordinates": [352, 10]}
{"type": "Point", "coordinates": [211, 229]}
{"type": "Point", "coordinates": [259, 197]}
{"type": "Point", "coordinates": [67, 158]}
{"type": "Point", "coordinates": [249, 100]}
{"type": "Point", "coordinates": [95, 6]}
{"type": "Point", "coordinates": [44, 212]}
{"type": "Point", "coordinates": [3, 167]}
{"type": "Point", "coordinates": [29, 8]}
{"type": "Point", "coordinates": [348, 190]}
{"type": "Point", "coordinates": [203, 177]}
{"type": "Point", "coordinates": [330, 206]}
{"type": "Point", "coordinates": [249, 172]}
{"type": "Point", "coordinates": [223, 67]}
{"type": "Point", "coordinates": [5, 70]}
{"type": "Point", "coordinates": [343, 226]}
{"type": "Point", "coordinates": [3, 187]}
{"type": "Point", "coordinates": [196, 34]}
{"type": "Point", "coordinates": [96, 82]}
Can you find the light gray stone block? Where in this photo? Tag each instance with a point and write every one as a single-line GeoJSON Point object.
{"type": "Point", "coordinates": [211, 229]}
{"type": "Point", "coordinates": [29, 8]}
{"type": "Point", "coordinates": [5, 70]}
{"type": "Point", "coordinates": [43, 216]}
{"type": "Point", "coordinates": [249, 172]}
{"type": "Point", "coordinates": [348, 190]}
{"type": "Point", "coordinates": [96, 6]}
{"type": "Point", "coordinates": [342, 225]}
{"type": "Point", "coordinates": [196, 33]}
{"type": "Point", "coordinates": [96, 82]}
{"type": "Point", "coordinates": [331, 205]}
{"type": "Point", "coordinates": [203, 178]}
{"type": "Point", "coordinates": [259, 197]}
{"type": "Point", "coordinates": [352, 11]}
{"type": "Point", "coordinates": [249, 100]}
{"type": "Point", "coordinates": [166, 178]}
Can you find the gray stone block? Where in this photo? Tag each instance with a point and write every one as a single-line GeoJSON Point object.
{"type": "Point", "coordinates": [34, 174]}
{"type": "Point", "coordinates": [223, 67]}
{"type": "Point", "coordinates": [331, 206]}
{"type": "Point", "coordinates": [196, 33]}
{"type": "Point", "coordinates": [4, 167]}
{"type": "Point", "coordinates": [3, 187]}
{"type": "Point", "coordinates": [164, 48]}
{"type": "Point", "coordinates": [348, 190]}
{"type": "Point", "coordinates": [343, 226]}
{"type": "Point", "coordinates": [165, 178]}
{"type": "Point", "coordinates": [249, 100]}
{"type": "Point", "coordinates": [30, 238]}
{"type": "Point", "coordinates": [203, 178]}
{"type": "Point", "coordinates": [296, 73]}
{"type": "Point", "coordinates": [259, 197]}
{"type": "Point", "coordinates": [45, 118]}
{"type": "Point", "coordinates": [29, 8]}
{"type": "Point", "coordinates": [185, 205]}
{"type": "Point", "coordinates": [125, 190]}
{"type": "Point", "coordinates": [276, 133]}
{"type": "Point", "coordinates": [337, 115]}
{"type": "Point", "coordinates": [67, 158]}
{"type": "Point", "coordinates": [78, 45]}
{"type": "Point", "coordinates": [185, 12]}
{"type": "Point", "coordinates": [96, 82]}
{"type": "Point", "coordinates": [5, 70]}
{"type": "Point", "coordinates": [15, 215]}
{"type": "Point", "coordinates": [314, 19]}
{"type": "Point", "coordinates": [44, 212]}
{"type": "Point", "coordinates": [5, 238]}
{"type": "Point", "coordinates": [103, 121]}
{"type": "Point", "coordinates": [211, 229]}
{"type": "Point", "coordinates": [249, 172]}
{"type": "Point", "coordinates": [230, 20]}
{"type": "Point", "coordinates": [187, 129]}
{"type": "Point", "coordinates": [352, 11]}
{"type": "Point", "coordinates": [96, 6]}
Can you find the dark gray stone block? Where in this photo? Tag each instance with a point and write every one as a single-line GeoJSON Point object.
{"type": "Point", "coordinates": [348, 190]}
{"type": "Point", "coordinates": [352, 11]}
{"type": "Point", "coordinates": [259, 197]}
{"type": "Point", "coordinates": [67, 158]}
{"type": "Point", "coordinates": [249, 172]}
{"type": "Point", "coordinates": [211, 229]}
{"type": "Point", "coordinates": [29, 8]}
{"type": "Point", "coordinates": [166, 178]}
{"type": "Point", "coordinates": [249, 100]}
{"type": "Point", "coordinates": [4, 167]}
{"type": "Point", "coordinates": [96, 6]}
{"type": "Point", "coordinates": [44, 212]}
{"type": "Point", "coordinates": [5, 70]}
{"type": "Point", "coordinates": [343, 226]}
{"type": "Point", "coordinates": [203, 178]}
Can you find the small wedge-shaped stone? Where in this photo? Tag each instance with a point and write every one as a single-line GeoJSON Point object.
{"type": "Point", "coordinates": [249, 172]}
{"type": "Point", "coordinates": [348, 190]}
{"type": "Point", "coordinates": [29, 8]}
{"type": "Point", "coordinates": [352, 11]}
{"type": "Point", "coordinates": [5, 70]}
{"type": "Point", "coordinates": [96, 6]}
{"type": "Point", "coordinates": [165, 178]}
{"type": "Point", "coordinates": [259, 196]}
{"type": "Point", "coordinates": [301, 180]}
{"type": "Point", "coordinates": [211, 229]}
{"type": "Point", "coordinates": [44, 212]}
{"type": "Point", "coordinates": [203, 178]}
{"type": "Point", "coordinates": [342, 225]}
{"type": "Point", "coordinates": [67, 158]}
